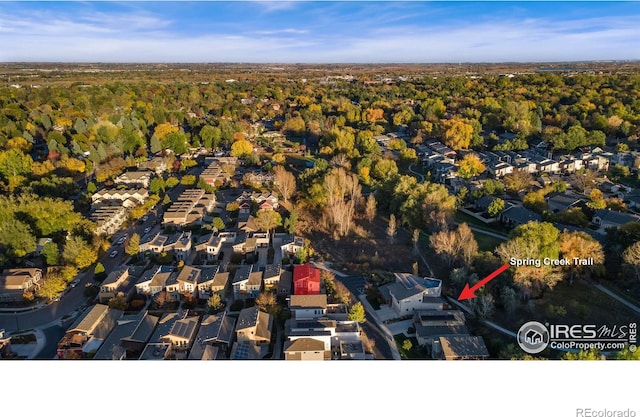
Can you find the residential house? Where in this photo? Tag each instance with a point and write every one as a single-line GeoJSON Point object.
{"type": "Point", "coordinates": [112, 284]}
{"type": "Point", "coordinates": [459, 347]}
{"type": "Point", "coordinates": [215, 174]}
{"type": "Point", "coordinates": [135, 178]}
{"type": "Point", "coordinates": [246, 222]}
{"type": "Point", "coordinates": [410, 293]}
{"type": "Point", "coordinates": [153, 280]}
{"type": "Point", "coordinates": [289, 244]}
{"type": "Point", "coordinates": [254, 326]}
{"type": "Point", "coordinates": [570, 165]}
{"type": "Point", "coordinates": [14, 283]}
{"type": "Point", "coordinates": [561, 202]}
{"type": "Point", "coordinates": [108, 219]}
{"type": "Point", "coordinates": [220, 283]}
{"type": "Point", "coordinates": [129, 338]}
{"type": "Point", "coordinates": [305, 349]}
{"type": "Point", "coordinates": [518, 215]}
{"type": "Point", "coordinates": [285, 284]}
{"type": "Point", "coordinates": [431, 324]}
{"type": "Point", "coordinates": [88, 332]}
{"type": "Point", "coordinates": [214, 245]}
{"type": "Point", "coordinates": [182, 248]}
{"type": "Point", "coordinates": [271, 277]}
{"type": "Point", "coordinates": [128, 197]}
{"type": "Point", "coordinates": [308, 306]}
{"type": "Point", "coordinates": [306, 280]}
{"type": "Point", "coordinates": [206, 280]}
{"type": "Point", "coordinates": [182, 335]}
{"type": "Point", "coordinates": [254, 284]}
{"type": "Point", "coordinates": [214, 337]}
{"type": "Point", "coordinates": [188, 279]}
{"type": "Point", "coordinates": [549, 166]}
{"type": "Point", "coordinates": [155, 164]}
{"type": "Point", "coordinates": [240, 281]}
{"type": "Point", "coordinates": [611, 219]}
{"type": "Point", "coordinates": [499, 169]}
{"type": "Point", "coordinates": [352, 349]}
{"type": "Point", "coordinates": [190, 208]}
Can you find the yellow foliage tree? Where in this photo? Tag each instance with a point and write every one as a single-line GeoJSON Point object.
{"type": "Point", "coordinates": [163, 129]}
{"type": "Point", "coordinates": [470, 166]}
{"type": "Point", "coordinates": [457, 133]}
{"type": "Point", "coordinates": [19, 143]}
{"type": "Point", "coordinates": [241, 147]}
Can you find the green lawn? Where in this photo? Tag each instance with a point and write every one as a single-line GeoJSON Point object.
{"type": "Point", "coordinates": [472, 221]}
{"type": "Point", "coordinates": [486, 242]}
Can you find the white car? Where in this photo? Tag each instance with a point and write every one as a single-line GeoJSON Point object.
{"type": "Point", "coordinates": [75, 282]}
{"type": "Point", "coordinates": [113, 254]}
{"type": "Point", "coordinates": [121, 240]}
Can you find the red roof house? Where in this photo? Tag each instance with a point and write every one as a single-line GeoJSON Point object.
{"type": "Point", "coordinates": [306, 280]}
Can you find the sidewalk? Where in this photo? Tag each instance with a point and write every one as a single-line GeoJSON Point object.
{"type": "Point", "coordinates": [390, 340]}
{"type": "Point", "coordinates": [618, 298]}
{"type": "Point", "coordinates": [30, 350]}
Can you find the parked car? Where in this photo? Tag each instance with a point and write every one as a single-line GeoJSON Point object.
{"type": "Point", "coordinates": [145, 218]}
{"type": "Point", "coordinates": [121, 240]}
{"type": "Point", "coordinates": [147, 230]}
{"type": "Point", "coordinates": [75, 282]}
{"type": "Point", "coordinates": [113, 254]}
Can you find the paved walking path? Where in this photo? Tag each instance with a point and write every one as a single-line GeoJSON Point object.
{"type": "Point", "coordinates": [416, 173]}
{"type": "Point", "coordinates": [618, 298]}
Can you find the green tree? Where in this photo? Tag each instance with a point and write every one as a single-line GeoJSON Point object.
{"type": "Point", "coordinates": [133, 245]}
{"type": "Point", "coordinates": [211, 136]}
{"type": "Point", "coordinates": [17, 237]}
{"type": "Point", "coordinates": [357, 313]}
{"type": "Point", "coordinates": [496, 207]}
{"type": "Point", "coordinates": [91, 187]}
{"type": "Point", "coordinates": [291, 222]}
{"type": "Point", "coordinates": [155, 144]}
{"type": "Point", "coordinates": [79, 253]}
{"type": "Point", "coordinates": [157, 185]}
{"type": "Point", "coordinates": [51, 253]}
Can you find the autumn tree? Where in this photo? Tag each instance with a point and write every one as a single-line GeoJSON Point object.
{"type": "Point", "coordinates": [392, 228]}
{"type": "Point", "coordinates": [470, 166]}
{"type": "Point", "coordinates": [533, 240]}
{"type": "Point", "coordinates": [343, 193]}
{"type": "Point", "coordinates": [284, 182]}
{"type": "Point", "coordinates": [132, 247]}
{"type": "Point", "coordinates": [580, 245]}
{"type": "Point", "coordinates": [266, 302]}
{"type": "Point", "coordinates": [214, 303]}
{"type": "Point", "coordinates": [455, 245]}
{"type": "Point", "coordinates": [218, 223]}
{"type": "Point", "coordinates": [241, 148]}
{"type": "Point", "coordinates": [370, 208]}
{"type": "Point", "coordinates": [631, 257]}
{"type": "Point", "coordinates": [266, 220]}
{"type": "Point", "coordinates": [79, 253]}
{"type": "Point", "coordinates": [457, 133]}
{"type": "Point", "coordinates": [517, 181]}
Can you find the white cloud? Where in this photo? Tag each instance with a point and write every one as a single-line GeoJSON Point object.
{"type": "Point", "coordinates": [144, 37]}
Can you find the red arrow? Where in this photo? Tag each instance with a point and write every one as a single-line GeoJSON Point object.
{"type": "Point", "coordinates": [471, 292]}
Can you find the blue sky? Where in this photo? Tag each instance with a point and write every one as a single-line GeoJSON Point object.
{"type": "Point", "coordinates": [318, 32]}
